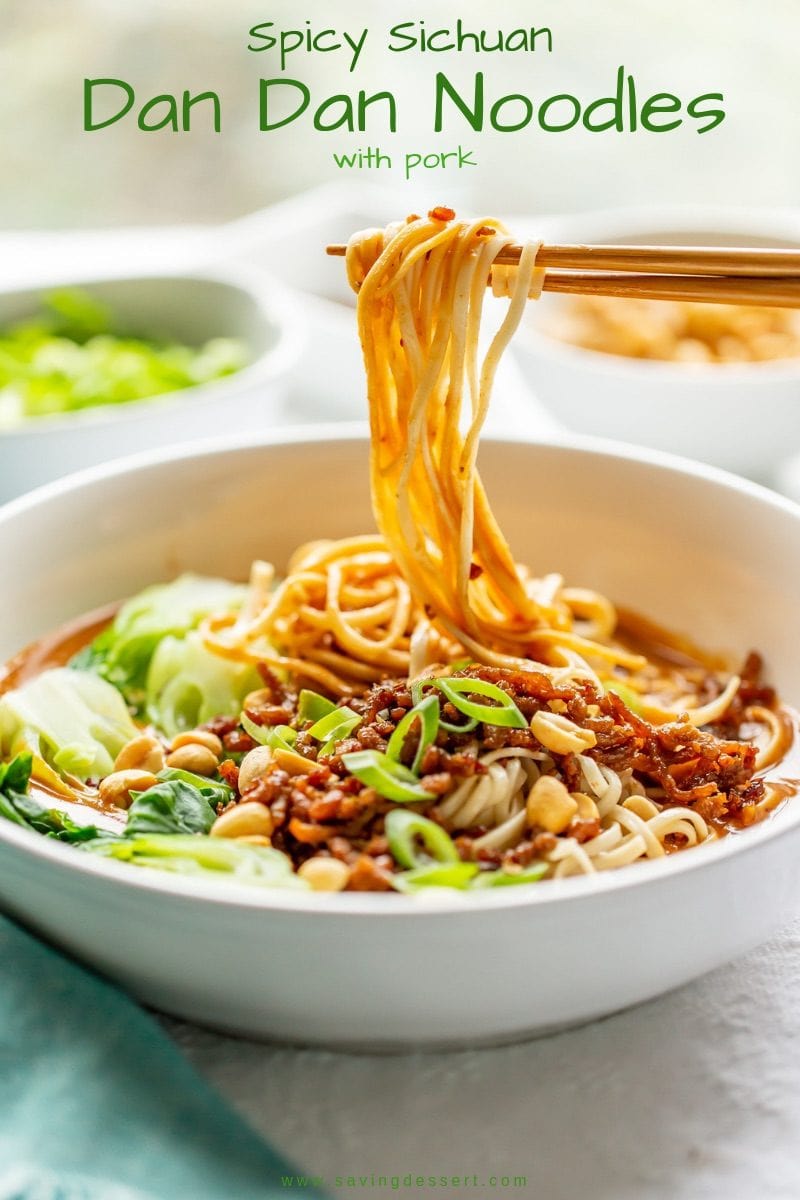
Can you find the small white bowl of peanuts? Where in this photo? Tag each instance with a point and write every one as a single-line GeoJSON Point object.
{"type": "Point", "coordinates": [718, 383]}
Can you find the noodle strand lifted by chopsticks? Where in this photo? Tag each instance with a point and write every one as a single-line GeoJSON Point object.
{"type": "Point", "coordinates": [427, 496]}
{"type": "Point", "coordinates": [439, 584]}
{"type": "Point", "coordinates": [441, 581]}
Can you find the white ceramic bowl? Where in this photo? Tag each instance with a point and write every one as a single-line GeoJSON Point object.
{"type": "Point", "coordinates": [787, 478]}
{"type": "Point", "coordinates": [692, 547]}
{"type": "Point", "coordinates": [740, 416]}
{"type": "Point", "coordinates": [188, 308]}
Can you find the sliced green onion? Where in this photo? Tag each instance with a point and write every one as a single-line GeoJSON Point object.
{"type": "Point", "coordinates": [282, 737]}
{"type": "Point", "coordinates": [402, 828]}
{"type": "Point", "coordinates": [323, 728]}
{"type": "Point", "coordinates": [465, 727]}
{"type": "Point", "coordinates": [453, 875]}
{"type": "Point", "coordinates": [69, 356]}
{"type": "Point", "coordinates": [416, 696]}
{"type": "Point", "coordinates": [313, 707]}
{"type": "Point", "coordinates": [503, 712]}
{"type": "Point", "coordinates": [390, 779]}
{"type": "Point", "coordinates": [530, 874]}
{"type": "Point", "coordinates": [427, 714]}
{"type": "Point", "coordinates": [279, 737]}
{"type": "Point", "coordinates": [259, 733]}
{"type": "Point", "coordinates": [627, 695]}
{"type": "Point", "coordinates": [334, 726]}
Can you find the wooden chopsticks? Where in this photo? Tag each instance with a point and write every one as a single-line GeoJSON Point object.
{"type": "Point", "coordinates": [778, 292]}
{"type": "Point", "coordinates": [714, 275]}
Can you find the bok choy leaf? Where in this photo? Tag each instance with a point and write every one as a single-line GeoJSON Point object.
{"type": "Point", "coordinates": [188, 684]}
{"type": "Point", "coordinates": [122, 653]}
{"type": "Point", "coordinates": [74, 722]}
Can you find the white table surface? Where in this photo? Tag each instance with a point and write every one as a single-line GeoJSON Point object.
{"type": "Point", "coordinates": [695, 1096]}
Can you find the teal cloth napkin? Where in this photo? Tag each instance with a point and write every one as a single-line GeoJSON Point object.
{"type": "Point", "coordinates": [96, 1102]}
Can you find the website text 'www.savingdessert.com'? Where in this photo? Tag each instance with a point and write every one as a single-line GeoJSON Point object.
{"type": "Point", "coordinates": [409, 1182]}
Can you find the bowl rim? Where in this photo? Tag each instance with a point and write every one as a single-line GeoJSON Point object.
{"type": "Point", "coordinates": [273, 301]}
{"type": "Point", "coordinates": [444, 902]}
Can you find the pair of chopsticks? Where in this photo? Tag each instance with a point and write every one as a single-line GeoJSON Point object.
{"type": "Point", "coordinates": [712, 275]}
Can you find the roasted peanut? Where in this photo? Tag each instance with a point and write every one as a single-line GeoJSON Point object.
{"type": "Point", "coordinates": [253, 766]}
{"type": "Point", "coordinates": [244, 820]}
{"type": "Point", "coordinates": [324, 874]}
{"type": "Point", "coordinates": [692, 350]}
{"type": "Point", "coordinates": [198, 737]}
{"type": "Point", "coordinates": [587, 809]}
{"type": "Point", "coordinates": [550, 805]}
{"type": "Point", "coordinates": [195, 758]}
{"type": "Point", "coordinates": [292, 763]}
{"type": "Point", "coordinates": [681, 332]}
{"type": "Point", "coordinates": [560, 735]}
{"type": "Point", "coordinates": [143, 753]}
{"type": "Point", "coordinates": [116, 788]}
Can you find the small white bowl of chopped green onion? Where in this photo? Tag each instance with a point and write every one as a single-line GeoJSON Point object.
{"type": "Point", "coordinates": [93, 370]}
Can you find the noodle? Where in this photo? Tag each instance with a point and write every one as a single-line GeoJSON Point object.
{"type": "Point", "coordinates": [442, 579]}
{"type": "Point", "coordinates": [432, 712]}
{"type": "Point", "coordinates": [439, 582]}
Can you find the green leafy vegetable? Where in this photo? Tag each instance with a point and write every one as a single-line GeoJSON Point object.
{"type": "Point", "coordinates": [167, 830]}
{"type": "Point", "coordinates": [216, 791]}
{"type": "Point", "coordinates": [18, 806]}
{"type": "Point", "coordinates": [181, 803]}
{"type": "Point", "coordinates": [69, 357]}
{"type": "Point", "coordinates": [170, 807]}
{"type": "Point", "coordinates": [389, 778]}
{"type": "Point", "coordinates": [188, 684]}
{"type": "Point", "coordinates": [403, 828]}
{"type": "Point", "coordinates": [191, 854]}
{"type": "Point", "coordinates": [426, 713]}
{"type": "Point", "coordinates": [123, 652]}
{"type": "Point", "coordinates": [15, 775]}
{"type": "Point", "coordinates": [75, 722]}
{"type": "Point", "coordinates": [52, 822]}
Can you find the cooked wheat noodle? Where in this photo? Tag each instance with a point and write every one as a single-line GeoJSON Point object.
{"type": "Point", "coordinates": [771, 742]}
{"type": "Point", "coordinates": [439, 579]}
{"type": "Point", "coordinates": [633, 827]}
